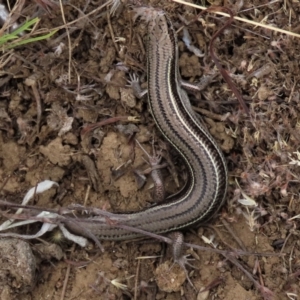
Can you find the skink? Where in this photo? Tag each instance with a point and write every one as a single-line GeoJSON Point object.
{"type": "Point", "coordinates": [206, 186]}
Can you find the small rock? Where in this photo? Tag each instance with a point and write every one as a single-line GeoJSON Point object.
{"type": "Point", "coordinates": [169, 278]}
{"type": "Point", "coordinates": [17, 267]}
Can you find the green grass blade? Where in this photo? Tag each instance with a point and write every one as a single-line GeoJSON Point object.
{"type": "Point", "coordinates": [30, 40]}
{"type": "Point", "coordinates": [27, 26]}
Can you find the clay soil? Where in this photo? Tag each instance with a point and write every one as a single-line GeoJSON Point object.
{"type": "Point", "coordinates": [53, 91]}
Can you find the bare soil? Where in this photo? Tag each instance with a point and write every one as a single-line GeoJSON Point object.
{"type": "Point", "coordinates": [82, 81]}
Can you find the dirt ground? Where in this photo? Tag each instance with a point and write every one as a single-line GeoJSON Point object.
{"type": "Point", "coordinates": [53, 91]}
